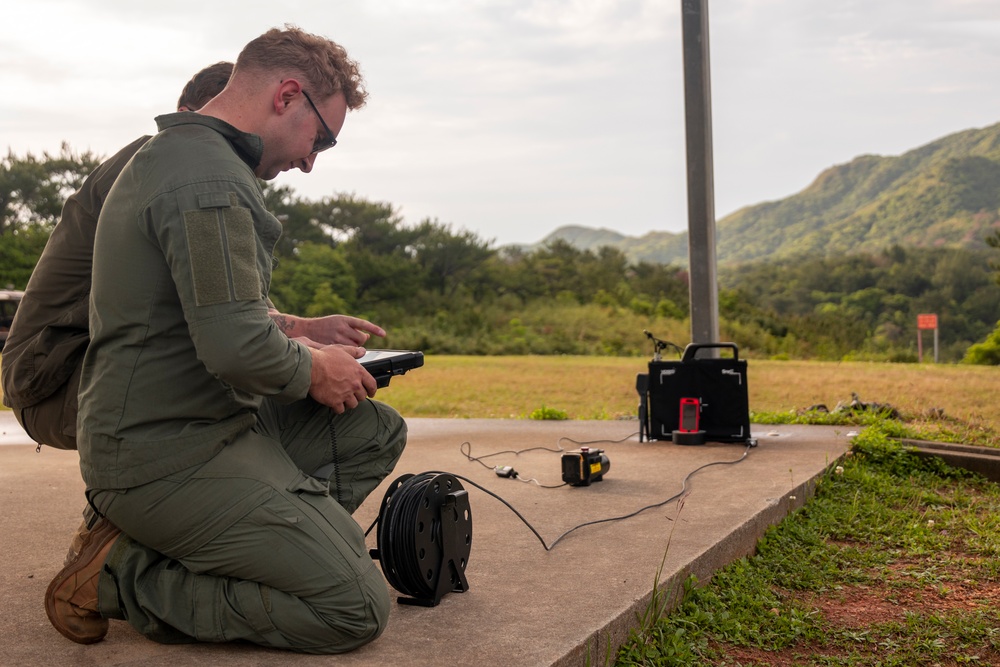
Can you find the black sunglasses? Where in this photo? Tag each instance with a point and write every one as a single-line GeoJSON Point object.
{"type": "Point", "coordinates": [330, 141]}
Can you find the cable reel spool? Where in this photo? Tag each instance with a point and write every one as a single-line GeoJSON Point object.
{"type": "Point", "coordinates": [425, 537]}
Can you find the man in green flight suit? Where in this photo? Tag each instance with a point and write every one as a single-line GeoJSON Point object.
{"type": "Point", "coordinates": [224, 457]}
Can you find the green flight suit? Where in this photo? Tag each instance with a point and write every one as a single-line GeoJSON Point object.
{"type": "Point", "coordinates": [196, 434]}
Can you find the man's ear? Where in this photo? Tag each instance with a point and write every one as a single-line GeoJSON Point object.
{"type": "Point", "coordinates": [284, 93]}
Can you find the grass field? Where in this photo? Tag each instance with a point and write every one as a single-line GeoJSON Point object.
{"type": "Point", "coordinates": [604, 387]}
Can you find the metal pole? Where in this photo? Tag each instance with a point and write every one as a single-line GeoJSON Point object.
{"type": "Point", "coordinates": [703, 271]}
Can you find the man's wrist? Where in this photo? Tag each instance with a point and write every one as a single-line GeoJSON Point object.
{"type": "Point", "coordinates": [290, 325]}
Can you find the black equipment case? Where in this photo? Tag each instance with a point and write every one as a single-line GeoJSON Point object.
{"type": "Point", "coordinates": [712, 389]}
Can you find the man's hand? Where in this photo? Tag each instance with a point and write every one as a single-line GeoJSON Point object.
{"type": "Point", "coordinates": [329, 330]}
{"type": "Point", "coordinates": [338, 381]}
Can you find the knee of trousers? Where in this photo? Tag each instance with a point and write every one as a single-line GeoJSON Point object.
{"type": "Point", "coordinates": [395, 427]}
{"type": "Point", "coordinates": [344, 626]}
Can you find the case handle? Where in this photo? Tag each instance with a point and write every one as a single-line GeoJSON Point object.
{"type": "Point", "coordinates": [692, 349]}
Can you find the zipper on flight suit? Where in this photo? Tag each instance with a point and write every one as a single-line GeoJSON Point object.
{"type": "Point", "coordinates": [334, 454]}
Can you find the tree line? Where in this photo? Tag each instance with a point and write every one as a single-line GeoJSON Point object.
{"type": "Point", "coordinates": [449, 291]}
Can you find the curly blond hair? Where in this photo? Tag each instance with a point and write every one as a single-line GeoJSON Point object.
{"type": "Point", "coordinates": [323, 64]}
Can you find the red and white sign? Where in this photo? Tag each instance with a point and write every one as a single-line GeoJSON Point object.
{"type": "Point", "coordinates": [927, 321]}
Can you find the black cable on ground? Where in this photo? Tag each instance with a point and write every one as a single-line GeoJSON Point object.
{"type": "Point", "coordinates": [549, 547]}
{"type": "Point", "coordinates": [507, 471]}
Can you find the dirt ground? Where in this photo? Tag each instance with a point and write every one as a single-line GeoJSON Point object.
{"type": "Point", "coordinates": [857, 607]}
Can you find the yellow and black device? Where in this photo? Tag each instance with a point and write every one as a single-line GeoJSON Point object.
{"type": "Point", "coordinates": [585, 465]}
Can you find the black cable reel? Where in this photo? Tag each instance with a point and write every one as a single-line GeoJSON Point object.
{"type": "Point", "coordinates": [425, 537]}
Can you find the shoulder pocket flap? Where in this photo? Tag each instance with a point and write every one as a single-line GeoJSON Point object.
{"type": "Point", "coordinates": [214, 200]}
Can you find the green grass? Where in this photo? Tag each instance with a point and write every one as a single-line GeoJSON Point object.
{"type": "Point", "coordinates": [893, 562]}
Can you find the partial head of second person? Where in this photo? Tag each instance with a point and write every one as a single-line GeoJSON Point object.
{"type": "Point", "coordinates": [204, 85]}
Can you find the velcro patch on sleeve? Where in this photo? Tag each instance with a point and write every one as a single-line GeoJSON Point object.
{"type": "Point", "coordinates": [242, 253]}
{"type": "Point", "coordinates": [208, 257]}
{"type": "Point", "coordinates": [223, 251]}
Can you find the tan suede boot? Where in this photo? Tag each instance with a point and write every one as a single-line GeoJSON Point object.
{"type": "Point", "coordinates": [71, 599]}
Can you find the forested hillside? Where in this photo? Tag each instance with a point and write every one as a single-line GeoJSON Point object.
{"type": "Point", "coordinates": [944, 194]}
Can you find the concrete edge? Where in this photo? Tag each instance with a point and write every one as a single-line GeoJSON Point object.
{"type": "Point", "coordinates": [741, 542]}
{"type": "Point", "coordinates": [952, 447]}
{"type": "Point", "coordinates": [984, 461]}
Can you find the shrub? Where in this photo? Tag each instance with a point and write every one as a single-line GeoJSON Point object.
{"type": "Point", "coordinates": [986, 353]}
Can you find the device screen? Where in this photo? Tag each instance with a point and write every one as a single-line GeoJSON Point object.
{"type": "Point", "coordinates": [378, 355]}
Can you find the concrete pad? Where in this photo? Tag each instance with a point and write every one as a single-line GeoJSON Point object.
{"type": "Point", "coordinates": [526, 605]}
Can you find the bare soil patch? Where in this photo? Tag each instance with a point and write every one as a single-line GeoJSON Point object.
{"type": "Point", "coordinates": [859, 607]}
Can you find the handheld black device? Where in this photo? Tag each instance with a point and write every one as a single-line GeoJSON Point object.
{"type": "Point", "coordinates": [384, 364]}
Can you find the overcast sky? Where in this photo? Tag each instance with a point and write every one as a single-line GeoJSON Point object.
{"type": "Point", "coordinates": [511, 118]}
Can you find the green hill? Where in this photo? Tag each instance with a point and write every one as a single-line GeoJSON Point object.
{"type": "Point", "coordinates": [943, 194]}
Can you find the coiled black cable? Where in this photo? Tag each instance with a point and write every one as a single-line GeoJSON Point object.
{"type": "Point", "coordinates": [411, 541]}
{"type": "Point", "coordinates": [397, 527]}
